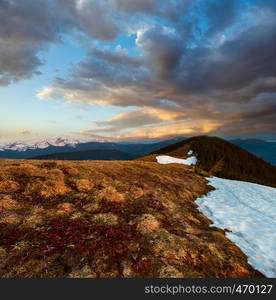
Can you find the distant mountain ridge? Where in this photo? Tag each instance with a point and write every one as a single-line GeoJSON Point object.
{"type": "Point", "coordinates": [42, 144]}
{"type": "Point", "coordinates": [263, 149]}
{"type": "Point", "coordinates": [224, 159]}
{"type": "Point", "coordinates": [25, 150]}
{"type": "Point", "coordinates": [107, 154]}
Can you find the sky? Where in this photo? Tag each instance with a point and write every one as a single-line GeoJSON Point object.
{"type": "Point", "coordinates": [136, 70]}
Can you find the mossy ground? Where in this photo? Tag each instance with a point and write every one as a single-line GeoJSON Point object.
{"type": "Point", "coordinates": [109, 219]}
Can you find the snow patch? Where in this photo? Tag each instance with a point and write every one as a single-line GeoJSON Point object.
{"type": "Point", "coordinates": [164, 159]}
{"type": "Point", "coordinates": [248, 210]}
{"type": "Point", "coordinates": [190, 152]}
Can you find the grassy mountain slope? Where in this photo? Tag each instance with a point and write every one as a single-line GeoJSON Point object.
{"type": "Point", "coordinates": [224, 159]}
{"type": "Point", "coordinates": [109, 219]}
{"type": "Point", "coordinates": [101, 154]}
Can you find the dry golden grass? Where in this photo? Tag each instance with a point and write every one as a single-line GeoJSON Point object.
{"type": "Point", "coordinates": [110, 194]}
{"type": "Point", "coordinates": [54, 174]}
{"type": "Point", "coordinates": [92, 207]}
{"type": "Point", "coordinates": [136, 192]}
{"type": "Point", "coordinates": [9, 186]}
{"type": "Point", "coordinates": [109, 219]}
{"type": "Point", "coordinates": [147, 224]}
{"type": "Point", "coordinates": [84, 185]}
{"type": "Point", "coordinates": [67, 168]}
{"type": "Point", "coordinates": [7, 203]}
{"type": "Point", "coordinates": [25, 169]}
{"type": "Point", "coordinates": [3, 255]}
{"type": "Point", "coordinates": [33, 221]}
{"type": "Point", "coordinates": [47, 189]}
{"type": "Point", "coordinates": [84, 272]}
{"type": "Point", "coordinates": [10, 219]}
{"type": "Point", "coordinates": [2, 175]}
{"type": "Point", "coordinates": [169, 272]}
{"type": "Point", "coordinates": [65, 208]}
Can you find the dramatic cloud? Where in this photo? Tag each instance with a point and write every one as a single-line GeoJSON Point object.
{"type": "Point", "coordinates": [133, 6]}
{"type": "Point", "coordinates": [170, 9]}
{"type": "Point", "coordinates": [196, 66]}
{"type": "Point", "coordinates": [29, 27]}
{"type": "Point", "coordinates": [172, 129]}
{"type": "Point", "coordinates": [220, 14]}
{"type": "Point", "coordinates": [136, 118]}
{"type": "Point", "coordinates": [163, 49]}
{"type": "Point", "coordinates": [25, 29]}
{"type": "Point", "coordinates": [94, 18]}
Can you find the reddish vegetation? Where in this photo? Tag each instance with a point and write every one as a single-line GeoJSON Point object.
{"type": "Point", "coordinates": [109, 219]}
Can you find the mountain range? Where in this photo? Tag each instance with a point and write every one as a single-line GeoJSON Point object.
{"type": "Point", "coordinates": [217, 157]}
{"type": "Point", "coordinates": [48, 149]}
{"type": "Point", "coordinates": [263, 149]}
{"type": "Point", "coordinates": [103, 154]}
{"type": "Point", "coordinates": [145, 217]}
{"type": "Point", "coordinates": [19, 150]}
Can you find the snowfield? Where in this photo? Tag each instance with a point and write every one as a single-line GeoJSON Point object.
{"type": "Point", "coordinates": [164, 159]}
{"type": "Point", "coordinates": [248, 210]}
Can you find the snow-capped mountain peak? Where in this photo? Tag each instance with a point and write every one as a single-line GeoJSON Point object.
{"type": "Point", "coordinates": [42, 144]}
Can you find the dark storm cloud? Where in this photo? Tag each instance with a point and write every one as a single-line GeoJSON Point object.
{"type": "Point", "coordinates": [265, 106]}
{"type": "Point", "coordinates": [207, 60]}
{"type": "Point", "coordinates": [119, 58]}
{"type": "Point", "coordinates": [23, 66]}
{"type": "Point", "coordinates": [244, 66]}
{"type": "Point", "coordinates": [94, 18]}
{"type": "Point", "coordinates": [169, 9]}
{"type": "Point", "coordinates": [28, 27]}
{"type": "Point", "coordinates": [105, 72]}
{"type": "Point", "coordinates": [238, 62]}
{"type": "Point", "coordinates": [234, 65]}
{"type": "Point", "coordinates": [163, 50]}
{"type": "Point", "coordinates": [132, 6]}
{"type": "Point", "coordinates": [220, 14]}
{"type": "Point", "coordinates": [206, 81]}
